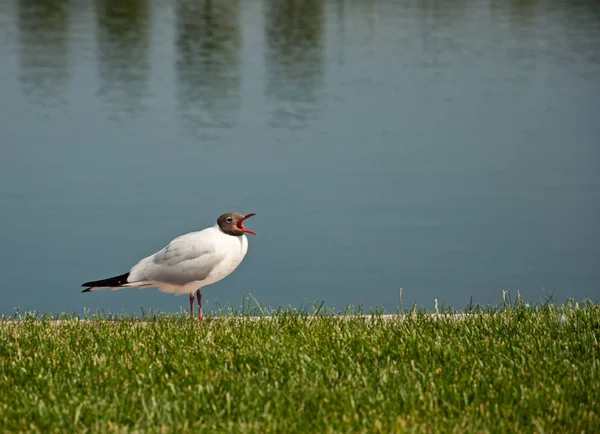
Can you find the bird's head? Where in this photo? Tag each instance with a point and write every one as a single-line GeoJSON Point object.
{"type": "Point", "coordinates": [232, 223]}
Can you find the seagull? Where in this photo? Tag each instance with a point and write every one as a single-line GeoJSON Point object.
{"type": "Point", "coordinates": [189, 262]}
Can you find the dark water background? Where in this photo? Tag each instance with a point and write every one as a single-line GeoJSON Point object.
{"type": "Point", "coordinates": [450, 148]}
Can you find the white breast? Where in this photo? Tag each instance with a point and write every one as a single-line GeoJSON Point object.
{"type": "Point", "coordinates": [233, 250]}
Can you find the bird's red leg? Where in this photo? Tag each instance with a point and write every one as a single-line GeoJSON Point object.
{"type": "Point", "coordinates": [199, 296]}
{"type": "Point", "coordinates": [192, 304]}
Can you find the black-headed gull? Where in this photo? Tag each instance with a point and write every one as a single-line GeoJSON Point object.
{"type": "Point", "coordinates": [189, 262]}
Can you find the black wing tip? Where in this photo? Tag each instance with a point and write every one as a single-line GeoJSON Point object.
{"type": "Point", "coordinates": [111, 281]}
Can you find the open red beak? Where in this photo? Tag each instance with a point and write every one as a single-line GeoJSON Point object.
{"type": "Point", "coordinates": [240, 224]}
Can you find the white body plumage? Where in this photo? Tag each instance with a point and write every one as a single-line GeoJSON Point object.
{"type": "Point", "coordinates": [190, 262]}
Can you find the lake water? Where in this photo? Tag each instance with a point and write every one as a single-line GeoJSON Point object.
{"type": "Point", "coordinates": [448, 148]}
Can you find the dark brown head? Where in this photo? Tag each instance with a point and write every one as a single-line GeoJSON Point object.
{"type": "Point", "coordinates": [232, 223]}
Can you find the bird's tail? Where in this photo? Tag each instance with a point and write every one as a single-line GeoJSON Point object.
{"type": "Point", "coordinates": [111, 282]}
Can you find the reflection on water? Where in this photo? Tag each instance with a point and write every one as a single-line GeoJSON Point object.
{"type": "Point", "coordinates": [295, 32]}
{"type": "Point", "coordinates": [44, 50]}
{"type": "Point", "coordinates": [523, 12]}
{"type": "Point", "coordinates": [459, 141]}
{"type": "Point", "coordinates": [441, 27]}
{"type": "Point", "coordinates": [208, 46]}
{"type": "Point", "coordinates": [123, 41]}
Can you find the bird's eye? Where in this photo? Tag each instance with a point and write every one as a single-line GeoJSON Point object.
{"type": "Point", "coordinates": [228, 220]}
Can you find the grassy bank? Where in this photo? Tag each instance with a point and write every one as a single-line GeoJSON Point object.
{"type": "Point", "coordinates": [524, 369]}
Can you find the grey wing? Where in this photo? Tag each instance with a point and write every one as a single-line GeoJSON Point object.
{"type": "Point", "coordinates": [186, 259]}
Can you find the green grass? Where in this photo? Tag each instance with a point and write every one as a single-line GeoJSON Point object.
{"type": "Point", "coordinates": [522, 369]}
